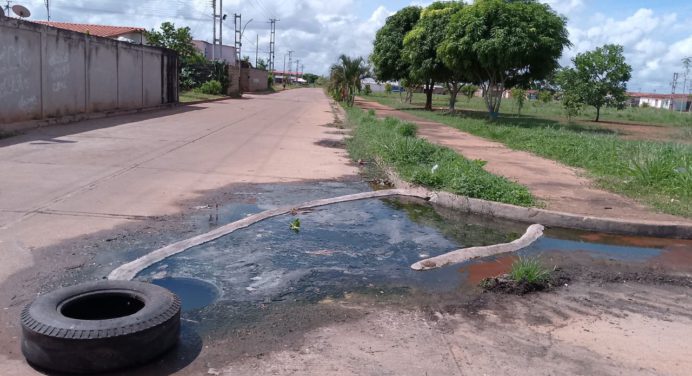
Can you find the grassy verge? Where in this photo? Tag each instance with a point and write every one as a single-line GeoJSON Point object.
{"type": "Point", "coordinates": [553, 110]}
{"type": "Point", "coordinates": [191, 96]}
{"type": "Point", "coordinates": [656, 173]}
{"type": "Point", "coordinates": [418, 161]}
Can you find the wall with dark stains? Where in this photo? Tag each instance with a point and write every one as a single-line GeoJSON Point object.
{"type": "Point", "coordinates": [49, 73]}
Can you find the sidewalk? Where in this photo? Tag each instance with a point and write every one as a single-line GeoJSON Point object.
{"type": "Point", "coordinates": [559, 187]}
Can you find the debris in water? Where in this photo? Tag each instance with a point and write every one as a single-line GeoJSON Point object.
{"type": "Point", "coordinates": [295, 225]}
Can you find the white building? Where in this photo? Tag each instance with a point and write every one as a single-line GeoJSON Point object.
{"type": "Point", "coordinates": [675, 102]}
{"type": "Point", "coordinates": [223, 52]}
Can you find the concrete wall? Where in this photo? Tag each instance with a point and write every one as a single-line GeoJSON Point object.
{"type": "Point", "coordinates": [254, 80]}
{"type": "Point", "coordinates": [49, 73]}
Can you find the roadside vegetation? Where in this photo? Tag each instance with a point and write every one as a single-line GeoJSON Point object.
{"type": "Point", "coordinates": [393, 143]}
{"type": "Point", "coordinates": [657, 173]}
{"type": "Point", "coordinates": [194, 96]}
{"type": "Point", "coordinates": [528, 274]}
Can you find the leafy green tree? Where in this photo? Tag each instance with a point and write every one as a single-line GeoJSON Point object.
{"type": "Point", "coordinates": [502, 44]}
{"type": "Point", "coordinates": [599, 78]}
{"type": "Point", "coordinates": [345, 78]}
{"type": "Point", "coordinates": [545, 97]}
{"type": "Point", "coordinates": [519, 96]}
{"type": "Point", "coordinates": [420, 49]}
{"type": "Point", "coordinates": [387, 57]}
{"type": "Point", "coordinates": [310, 78]}
{"type": "Point", "coordinates": [469, 91]}
{"type": "Point", "coordinates": [177, 39]}
{"type": "Point", "coordinates": [261, 64]}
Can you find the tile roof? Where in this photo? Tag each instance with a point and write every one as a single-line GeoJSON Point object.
{"type": "Point", "coordinates": [96, 30]}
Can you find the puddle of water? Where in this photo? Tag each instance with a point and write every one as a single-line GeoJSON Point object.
{"type": "Point", "coordinates": [368, 247]}
{"type": "Point", "coordinates": [193, 293]}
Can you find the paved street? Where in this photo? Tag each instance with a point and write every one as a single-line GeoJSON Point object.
{"type": "Point", "coordinates": [63, 182]}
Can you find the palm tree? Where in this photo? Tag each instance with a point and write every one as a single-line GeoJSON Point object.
{"type": "Point", "coordinates": [344, 78]}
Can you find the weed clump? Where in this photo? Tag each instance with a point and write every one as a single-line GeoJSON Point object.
{"type": "Point", "coordinates": [527, 275]}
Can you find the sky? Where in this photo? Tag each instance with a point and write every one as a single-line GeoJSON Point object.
{"type": "Point", "coordinates": [656, 34]}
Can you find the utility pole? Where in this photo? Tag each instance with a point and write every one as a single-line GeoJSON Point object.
{"type": "Point", "coordinates": [220, 29]}
{"type": "Point", "coordinates": [290, 65]}
{"type": "Point", "coordinates": [48, 9]}
{"type": "Point", "coordinates": [283, 74]}
{"type": "Point", "coordinates": [213, 39]}
{"type": "Point", "coordinates": [272, 45]}
{"type": "Point", "coordinates": [686, 62]}
{"type": "Point", "coordinates": [674, 85]}
{"type": "Point", "coordinates": [256, 50]}
{"type": "Point", "coordinates": [238, 35]}
{"type": "Point", "coordinates": [297, 68]}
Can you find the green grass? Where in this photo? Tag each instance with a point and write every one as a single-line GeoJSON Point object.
{"type": "Point", "coordinates": [656, 173]}
{"type": "Point", "coordinates": [191, 96]}
{"type": "Point", "coordinates": [554, 110]}
{"type": "Point", "coordinates": [420, 162]}
{"type": "Point", "coordinates": [529, 271]}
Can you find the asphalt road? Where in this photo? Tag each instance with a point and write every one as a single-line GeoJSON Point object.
{"type": "Point", "coordinates": [63, 182]}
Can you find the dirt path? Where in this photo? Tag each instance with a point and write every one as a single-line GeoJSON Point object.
{"type": "Point", "coordinates": [560, 187]}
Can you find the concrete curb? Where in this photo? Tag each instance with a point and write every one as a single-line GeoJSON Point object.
{"type": "Point", "coordinates": [533, 233]}
{"type": "Point", "coordinates": [679, 230]}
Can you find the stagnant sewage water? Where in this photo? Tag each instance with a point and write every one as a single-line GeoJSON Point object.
{"type": "Point", "coordinates": [358, 246]}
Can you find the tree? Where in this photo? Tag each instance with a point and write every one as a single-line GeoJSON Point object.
{"type": "Point", "coordinates": [519, 96]}
{"type": "Point", "coordinates": [345, 78]}
{"type": "Point", "coordinates": [503, 44]}
{"type": "Point", "coordinates": [261, 64]}
{"type": "Point", "coordinates": [310, 78]}
{"type": "Point", "coordinates": [387, 57]}
{"type": "Point", "coordinates": [177, 39]}
{"type": "Point", "coordinates": [469, 91]}
{"type": "Point", "coordinates": [599, 78]}
{"type": "Point", "coordinates": [420, 50]}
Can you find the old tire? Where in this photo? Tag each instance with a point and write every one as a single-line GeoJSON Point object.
{"type": "Point", "coordinates": [100, 326]}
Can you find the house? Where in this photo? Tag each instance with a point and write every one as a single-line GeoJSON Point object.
{"type": "Point", "coordinates": [223, 52]}
{"type": "Point", "coordinates": [675, 102]}
{"type": "Point", "coordinates": [121, 33]}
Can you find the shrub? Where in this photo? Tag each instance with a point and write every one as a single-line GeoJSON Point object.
{"type": "Point", "coordinates": [367, 90]}
{"type": "Point", "coordinates": [529, 271]}
{"type": "Point", "coordinates": [388, 88]}
{"type": "Point", "coordinates": [407, 129]}
{"type": "Point", "coordinates": [212, 87]}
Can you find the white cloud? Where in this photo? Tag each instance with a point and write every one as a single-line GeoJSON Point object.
{"type": "Point", "coordinates": [565, 6]}
{"type": "Point", "coordinates": [318, 31]}
{"type": "Point", "coordinates": [646, 44]}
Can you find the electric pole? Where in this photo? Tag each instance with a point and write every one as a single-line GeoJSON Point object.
{"type": "Point", "coordinates": [220, 29]}
{"type": "Point", "coordinates": [213, 39]}
{"type": "Point", "coordinates": [686, 62]}
{"type": "Point", "coordinates": [272, 45]}
{"type": "Point", "coordinates": [674, 85]}
{"type": "Point", "coordinates": [290, 65]}
{"type": "Point", "coordinates": [297, 69]}
{"type": "Point", "coordinates": [238, 35]}
{"type": "Point", "coordinates": [47, 9]}
{"type": "Point", "coordinates": [256, 50]}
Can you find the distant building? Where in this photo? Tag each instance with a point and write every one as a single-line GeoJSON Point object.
{"type": "Point", "coordinates": [675, 102]}
{"type": "Point", "coordinates": [122, 33]}
{"type": "Point", "coordinates": [226, 53]}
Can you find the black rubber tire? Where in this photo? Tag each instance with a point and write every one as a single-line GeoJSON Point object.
{"type": "Point", "coordinates": [52, 341]}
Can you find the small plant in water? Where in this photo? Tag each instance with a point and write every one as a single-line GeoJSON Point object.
{"type": "Point", "coordinates": [529, 271]}
{"type": "Point", "coordinates": [295, 225]}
